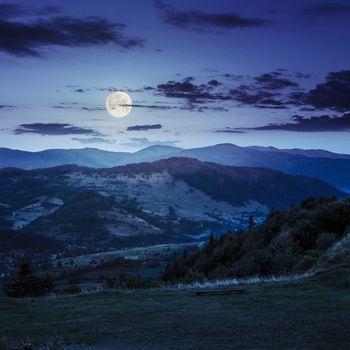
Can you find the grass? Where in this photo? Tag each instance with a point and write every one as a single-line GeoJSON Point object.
{"type": "Point", "coordinates": [307, 314]}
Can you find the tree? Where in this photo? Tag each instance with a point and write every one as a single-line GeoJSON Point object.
{"type": "Point", "coordinates": [251, 223]}
{"type": "Point", "coordinates": [28, 284]}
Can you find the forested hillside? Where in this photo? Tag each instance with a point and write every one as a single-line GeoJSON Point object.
{"type": "Point", "coordinates": [289, 241]}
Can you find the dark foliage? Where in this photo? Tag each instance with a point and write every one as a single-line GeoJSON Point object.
{"type": "Point", "coordinates": [289, 241]}
{"type": "Point", "coordinates": [27, 284]}
{"type": "Point", "coordinates": [72, 288]}
{"type": "Point", "coordinates": [27, 242]}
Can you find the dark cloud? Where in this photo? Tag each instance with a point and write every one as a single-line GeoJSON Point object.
{"type": "Point", "coordinates": [158, 107]}
{"type": "Point", "coordinates": [246, 95]}
{"type": "Point", "coordinates": [327, 9]}
{"type": "Point", "coordinates": [93, 109]}
{"type": "Point", "coordinates": [198, 20]}
{"type": "Point", "coordinates": [334, 93]}
{"type": "Point", "coordinates": [10, 10]}
{"type": "Point", "coordinates": [300, 75]}
{"type": "Point", "coordinates": [270, 90]}
{"type": "Point", "coordinates": [7, 107]}
{"type": "Point", "coordinates": [143, 127]}
{"type": "Point", "coordinates": [274, 81]}
{"type": "Point", "coordinates": [53, 129]}
{"type": "Point", "coordinates": [314, 124]}
{"type": "Point", "coordinates": [78, 106]}
{"type": "Point", "coordinates": [79, 90]}
{"type": "Point", "coordinates": [190, 91]}
{"type": "Point", "coordinates": [229, 130]}
{"type": "Point", "coordinates": [13, 10]}
{"type": "Point", "coordinates": [27, 39]}
{"type": "Point", "coordinates": [236, 77]}
{"type": "Point", "coordinates": [94, 140]}
{"type": "Point", "coordinates": [214, 82]}
{"type": "Point", "coordinates": [50, 10]}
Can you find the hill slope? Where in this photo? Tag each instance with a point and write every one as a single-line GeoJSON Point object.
{"type": "Point", "coordinates": [175, 199]}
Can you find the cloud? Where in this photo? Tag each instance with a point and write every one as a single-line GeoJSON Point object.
{"type": "Point", "coordinates": [334, 93]}
{"type": "Point", "coordinates": [244, 95]}
{"type": "Point", "coordinates": [27, 39]}
{"type": "Point", "coordinates": [189, 91]}
{"type": "Point", "coordinates": [144, 142]}
{"type": "Point", "coordinates": [229, 130]}
{"type": "Point", "coordinates": [45, 129]}
{"type": "Point", "coordinates": [270, 90]}
{"type": "Point", "coordinates": [143, 127]}
{"type": "Point", "coordinates": [10, 10]}
{"type": "Point", "coordinates": [78, 106]}
{"type": "Point", "coordinates": [198, 20]}
{"type": "Point", "coordinates": [326, 9]}
{"type": "Point", "coordinates": [136, 105]}
{"type": "Point", "coordinates": [50, 10]}
{"type": "Point", "coordinates": [94, 140]}
{"type": "Point", "coordinates": [13, 10]}
{"type": "Point", "coordinates": [314, 124]}
{"type": "Point", "coordinates": [7, 107]}
{"type": "Point", "coordinates": [93, 109]}
{"type": "Point", "coordinates": [274, 81]}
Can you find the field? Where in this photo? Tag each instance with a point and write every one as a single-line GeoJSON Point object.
{"type": "Point", "coordinates": [309, 314]}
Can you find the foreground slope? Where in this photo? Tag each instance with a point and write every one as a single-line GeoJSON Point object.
{"type": "Point", "coordinates": [305, 314]}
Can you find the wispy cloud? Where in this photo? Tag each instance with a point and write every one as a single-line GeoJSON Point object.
{"type": "Point", "coordinates": [7, 107]}
{"type": "Point", "coordinates": [229, 130]}
{"type": "Point", "coordinates": [198, 20]}
{"type": "Point", "coordinates": [28, 38]}
{"type": "Point", "coordinates": [45, 129]}
{"type": "Point", "coordinates": [143, 127]}
{"type": "Point", "coordinates": [314, 124]}
{"type": "Point", "coordinates": [326, 10]}
{"type": "Point", "coordinates": [13, 10]}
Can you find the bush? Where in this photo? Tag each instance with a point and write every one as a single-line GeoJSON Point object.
{"type": "Point", "coordinates": [325, 240]}
{"type": "Point", "coordinates": [72, 288]}
{"type": "Point", "coordinates": [109, 283]}
{"type": "Point", "coordinates": [306, 263]}
{"type": "Point", "coordinates": [28, 284]}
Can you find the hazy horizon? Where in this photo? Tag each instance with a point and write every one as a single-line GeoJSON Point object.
{"type": "Point", "coordinates": [126, 149]}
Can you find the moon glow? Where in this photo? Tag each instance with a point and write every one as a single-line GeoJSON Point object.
{"type": "Point", "coordinates": [119, 104]}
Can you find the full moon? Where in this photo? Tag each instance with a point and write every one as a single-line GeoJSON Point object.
{"type": "Point", "coordinates": [119, 104]}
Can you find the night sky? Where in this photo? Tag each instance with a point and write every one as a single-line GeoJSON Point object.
{"type": "Point", "coordinates": [248, 72]}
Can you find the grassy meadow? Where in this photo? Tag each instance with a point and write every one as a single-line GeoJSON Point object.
{"type": "Point", "coordinates": [313, 313]}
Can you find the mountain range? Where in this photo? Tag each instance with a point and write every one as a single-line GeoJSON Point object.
{"type": "Point", "coordinates": [331, 167]}
{"type": "Point", "coordinates": [170, 200]}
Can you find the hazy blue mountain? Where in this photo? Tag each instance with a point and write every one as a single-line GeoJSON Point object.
{"type": "Point", "coordinates": [330, 167]}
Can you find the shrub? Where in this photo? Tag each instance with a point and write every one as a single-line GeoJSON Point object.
{"type": "Point", "coordinates": [325, 240]}
{"type": "Point", "coordinates": [72, 288]}
{"type": "Point", "coordinates": [27, 284]}
{"type": "Point", "coordinates": [306, 263]}
{"type": "Point", "coordinates": [109, 283]}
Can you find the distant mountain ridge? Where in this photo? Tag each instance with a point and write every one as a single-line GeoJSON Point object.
{"type": "Point", "coordinates": [331, 167]}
